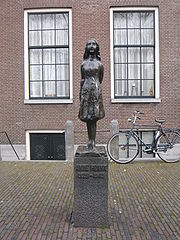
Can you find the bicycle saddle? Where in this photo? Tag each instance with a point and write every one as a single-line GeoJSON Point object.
{"type": "Point", "coordinates": [160, 121]}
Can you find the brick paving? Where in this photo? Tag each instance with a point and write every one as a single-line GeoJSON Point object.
{"type": "Point", "coordinates": [36, 202]}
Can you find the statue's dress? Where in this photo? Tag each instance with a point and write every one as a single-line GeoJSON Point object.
{"type": "Point", "coordinates": [91, 103]}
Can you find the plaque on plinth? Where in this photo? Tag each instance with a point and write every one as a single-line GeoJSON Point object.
{"type": "Point", "coordinates": [90, 188]}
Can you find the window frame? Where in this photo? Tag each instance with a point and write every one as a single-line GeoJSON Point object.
{"type": "Point", "coordinates": [56, 100]}
{"type": "Point", "coordinates": [141, 154]}
{"type": "Point", "coordinates": [27, 136]}
{"type": "Point", "coordinates": [137, 99]}
{"type": "Point", "coordinates": [140, 131]}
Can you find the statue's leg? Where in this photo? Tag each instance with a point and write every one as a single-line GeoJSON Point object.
{"type": "Point", "coordinates": [89, 134]}
{"type": "Point", "coordinates": [91, 127]}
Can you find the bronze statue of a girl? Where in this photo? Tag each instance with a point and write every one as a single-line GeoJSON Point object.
{"type": "Point", "coordinates": [91, 103]}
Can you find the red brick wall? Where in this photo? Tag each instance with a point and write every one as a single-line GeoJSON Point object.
{"type": "Point", "coordinates": [90, 19]}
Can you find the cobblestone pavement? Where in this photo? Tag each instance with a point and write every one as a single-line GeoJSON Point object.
{"type": "Point", "coordinates": [36, 202]}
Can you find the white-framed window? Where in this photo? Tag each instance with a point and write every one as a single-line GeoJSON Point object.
{"type": "Point", "coordinates": [147, 138]}
{"type": "Point", "coordinates": [48, 55]}
{"type": "Point", "coordinates": [45, 144]}
{"type": "Point", "coordinates": [134, 35]}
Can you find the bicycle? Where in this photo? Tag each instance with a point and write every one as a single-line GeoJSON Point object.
{"type": "Point", "coordinates": [123, 147]}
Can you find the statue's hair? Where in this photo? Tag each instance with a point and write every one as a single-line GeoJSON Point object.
{"type": "Point", "coordinates": [86, 53]}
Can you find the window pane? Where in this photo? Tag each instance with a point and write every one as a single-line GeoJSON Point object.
{"type": "Point", "coordinates": [120, 71]}
{"type": "Point", "coordinates": [134, 88]}
{"type": "Point", "coordinates": [148, 88]}
{"type": "Point", "coordinates": [34, 22]}
{"type": "Point", "coordinates": [62, 21]}
{"type": "Point", "coordinates": [133, 20]}
{"type": "Point", "coordinates": [120, 88]}
{"type": "Point", "coordinates": [120, 55]}
{"type": "Point", "coordinates": [62, 55]}
{"type": "Point", "coordinates": [49, 56]}
{"type": "Point", "coordinates": [147, 36]}
{"type": "Point", "coordinates": [49, 89]}
{"type": "Point", "coordinates": [62, 88]}
{"type": "Point", "coordinates": [62, 72]}
{"type": "Point", "coordinates": [49, 66]}
{"type": "Point", "coordinates": [147, 54]}
{"type": "Point", "coordinates": [134, 71]}
{"type": "Point", "coordinates": [48, 38]}
{"type": "Point", "coordinates": [35, 72]}
{"type": "Point", "coordinates": [48, 21]}
{"type": "Point", "coordinates": [120, 37]}
{"type": "Point", "coordinates": [147, 71]}
{"type": "Point", "coordinates": [36, 89]}
{"type": "Point", "coordinates": [147, 20]}
{"type": "Point", "coordinates": [35, 38]}
{"type": "Point", "coordinates": [119, 20]}
{"type": "Point", "coordinates": [35, 56]}
{"type": "Point", "coordinates": [147, 137]}
{"type": "Point", "coordinates": [133, 55]}
{"type": "Point", "coordinates": [49, 72]}
{"type": "Point", "coordinates": [62, 37]}
{"type": "Point", "coordinates": [133, 36]}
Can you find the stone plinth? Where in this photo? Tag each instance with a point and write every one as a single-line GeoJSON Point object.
{"type": "Point", "coordinates": [90, 188]}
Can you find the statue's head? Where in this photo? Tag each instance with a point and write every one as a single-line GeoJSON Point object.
{"type": "Point", "coordinates": [92, 47]}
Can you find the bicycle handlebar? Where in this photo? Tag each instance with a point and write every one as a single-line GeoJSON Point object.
{"type": "Point", "coordinates": [139, 118]}
{"type": "Point", "coordinates": [139, 112]}
{"type": "Point", "coordinates": [135, 113]}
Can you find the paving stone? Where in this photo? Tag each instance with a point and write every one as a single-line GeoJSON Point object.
{"type": "Point", "coordinates": [36, 202]}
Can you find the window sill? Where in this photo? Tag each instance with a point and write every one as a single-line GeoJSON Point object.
{"type": "Point", "coordinates": [48, 101]}
{"type": "Point", "coordinates": [136, 100]}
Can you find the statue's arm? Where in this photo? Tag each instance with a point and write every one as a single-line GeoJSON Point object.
{"type": "Point", "coordinates": [82, 76]}
{"type": "Point", "coordinates": [82, 81]}
{"type": "Point", "coordinates": [101, 73]}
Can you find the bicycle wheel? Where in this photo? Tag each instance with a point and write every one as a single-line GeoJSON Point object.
{"type": "Point", "coordinates": [168, 147]}
{"type": "Point", "coordinates": [120, 149]}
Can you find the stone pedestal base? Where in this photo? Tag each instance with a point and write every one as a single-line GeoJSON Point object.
{"type": "Point", "coordinates": [90, 188]}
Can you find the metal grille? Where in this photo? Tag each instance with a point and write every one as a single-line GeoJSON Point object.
{"type": "Point", "coordinates": [47, 146]}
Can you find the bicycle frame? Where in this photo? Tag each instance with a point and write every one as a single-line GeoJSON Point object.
{"type": "Point", "coordinates": [132, 132]}
{"type": "Point", "coordinates": [124, 147]}
{"type": "Point", "coordinates": [164, 147]}
{"type": "Point", "coordinates": [151, 146]}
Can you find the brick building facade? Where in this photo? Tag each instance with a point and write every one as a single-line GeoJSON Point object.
{"type": "Point", "coordinates": [141, 37]}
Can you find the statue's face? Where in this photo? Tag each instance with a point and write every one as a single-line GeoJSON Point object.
{"type": "Point", "coordinates": [91, 46]}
